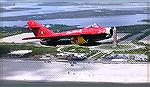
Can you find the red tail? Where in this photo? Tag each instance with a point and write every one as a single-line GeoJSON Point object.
{"type": "Point", "coordinates": [38, 29]}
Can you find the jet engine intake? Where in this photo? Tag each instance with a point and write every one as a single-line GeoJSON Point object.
{"type": "Point", "coordinates": [109, 32]}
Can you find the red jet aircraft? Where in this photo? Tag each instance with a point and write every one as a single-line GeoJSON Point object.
{"type": "Point", "coordinates": [87, 35]}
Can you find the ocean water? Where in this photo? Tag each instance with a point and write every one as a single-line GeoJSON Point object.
{"type": "Point", "coordinates": [117, 20]}
{"type": "Point", "coordinates": [102, 21]}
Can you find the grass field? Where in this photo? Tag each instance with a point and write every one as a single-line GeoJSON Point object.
{"type": "Point", "coordinates": [36, 50]}
{"type": "Point", "coordinates": [119, 46]}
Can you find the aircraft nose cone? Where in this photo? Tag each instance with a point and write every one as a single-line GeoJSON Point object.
{"type": "Point", "coordinates": [111, 31]}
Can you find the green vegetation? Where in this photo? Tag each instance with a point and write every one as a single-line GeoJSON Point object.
{"type": "Point", "coordinates": [36, 50]}
{"type": "Point", "coordinates": [10, 31]}
{"type": "Point", "coordinates": [135, 51]}
{"type": "Point", "coordinates": [95, 54]}
{"type": "Point", "coordinates": [98, 55]}
{"type": "Point", "coordinates": [119, 46]}
{"type": "Point", "coordinates": [134, 29]}
{"type": "Point", "coordinates": [92, 52]}
{"type": "Point", "coordinates": [76, 49]}
{"type": "Point", "coordinates": [143, 36]}
{"type": "Point", "coordinates": [145, 51]}
{"type": "Point", "coordinates": [43, 50]}
{"type": "Point", "coordinates": [1, 34]}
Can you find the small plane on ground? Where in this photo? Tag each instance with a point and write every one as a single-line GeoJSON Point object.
{"type": "Point", "coordinates": [87, 35]}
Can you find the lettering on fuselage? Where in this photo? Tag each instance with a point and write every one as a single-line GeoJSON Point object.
{"type": "Point", "coordinates": [74, 31]}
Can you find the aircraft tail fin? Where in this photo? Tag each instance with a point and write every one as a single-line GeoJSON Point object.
{"type": "Point", "coordinates": [38, 29]}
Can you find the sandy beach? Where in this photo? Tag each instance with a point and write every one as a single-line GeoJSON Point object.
{"type": "Point", "coordinates": [80, 72]}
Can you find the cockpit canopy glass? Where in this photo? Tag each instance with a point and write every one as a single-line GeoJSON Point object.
{"type": "Point", "coordinates": [93, 26]}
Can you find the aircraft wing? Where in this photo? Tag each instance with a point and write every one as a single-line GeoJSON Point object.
{"type": "Point", "coordinates": [54, 36]}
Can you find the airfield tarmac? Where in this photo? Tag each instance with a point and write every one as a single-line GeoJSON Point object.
{"type": "Point", "coordinates": [29, 70]}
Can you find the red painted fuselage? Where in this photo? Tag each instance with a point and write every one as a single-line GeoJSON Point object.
{"type": "Point", "coordinates": [79, 36]}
